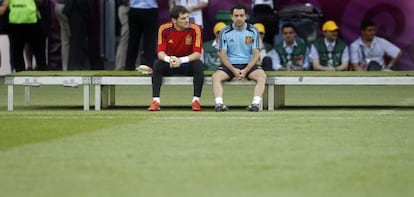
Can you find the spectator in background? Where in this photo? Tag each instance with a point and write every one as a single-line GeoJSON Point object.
{"type": "Point", "coordinates": [210, 49]}
{"type": "Point", "coordinates": [121, 51]}
{"type": "Point", "coordinates": [329, 53]}
{"type": "Point", "coordinates": [179, 52]}
{"type": "Point", "coordinates": [3, 16]}
{"type": "Point", "coordinates": [4, 40]}
{"type": "Point", "coordinates": [29, 59]}
{"type": "Point", "coordinates": [79, 13]}
{"type": "Point", "coordinates": [64, 32]}
{"type": "Point", "coordinates": [270, 3]}
{"type": "Point", "coordinates": [142, 21]}
{"type": "Point", "coordinates": [239, 54]}
{"type": "Point", "coordinates": [265, 61]}
{"type": "Point", "coordinates": [25, 27]}
{"type": "Point", "coordinates": [195, 7]}
{"type": "Point", "coordinates": [94, 38]}
{"type": "Point", "coordinates": [291, 54]}
{"type": "Point", "coordinates": [369, 50]}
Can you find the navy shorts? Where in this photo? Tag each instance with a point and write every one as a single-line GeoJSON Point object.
{"type": "Point", "coordinates": [239, 66]}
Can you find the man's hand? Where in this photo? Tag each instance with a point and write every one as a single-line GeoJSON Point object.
{"type": "Point", "coordinates": [240, 74]}
{"type": "Point", "coordinates": [330, 68]}
{"type": "Point", "coordinates": [243, 73]}
{"type": "Point", "coordinates": [175, 62]}
{"type": "Point", "coordinates": [297, 68]}
{"type": "Point", "coordinates": [2, 10]}
{"type": "Point", "coordinates": [237, 73]}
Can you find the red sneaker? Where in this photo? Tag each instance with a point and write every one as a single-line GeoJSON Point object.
{"type": "Point", "coordinates": [155, 106]}
{"type": "Point", "coordinates": [196, 106]}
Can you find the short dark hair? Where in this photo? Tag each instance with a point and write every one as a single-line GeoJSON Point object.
{"type": "Point", "coordinates": [365, 24]}
{"type": "Point", "coordinates": [287, 25]}
{"type": "Point", "coordinates": [238, 7]}
{"type": "Point", "coordinates": [177, 10]}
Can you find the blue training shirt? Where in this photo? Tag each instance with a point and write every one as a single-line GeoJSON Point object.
{"type": "Point", "coordinates": [239, 44]}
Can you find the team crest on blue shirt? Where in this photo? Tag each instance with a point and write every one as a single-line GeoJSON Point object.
{"type": "Point", "coordinates": [248, 40]}
{"type": "Point", "coordinates": [188, 39]}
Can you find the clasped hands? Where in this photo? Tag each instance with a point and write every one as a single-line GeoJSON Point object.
{"type": "Point", "coordinates": [175, 62]}
{"type": "Point", "coordinates": [240, 74]}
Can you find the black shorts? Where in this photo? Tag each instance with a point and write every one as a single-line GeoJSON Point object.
{"type": "Point", "coordinates": [239, 66]}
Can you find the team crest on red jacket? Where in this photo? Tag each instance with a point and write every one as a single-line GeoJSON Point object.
{"type": "Point", "coordinates": [188, 40]}
{"type": "Point", "coordinates": [248, 40]}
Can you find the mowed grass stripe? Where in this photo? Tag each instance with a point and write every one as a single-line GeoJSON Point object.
{"type": "Point", "coordinates": [155, 156]}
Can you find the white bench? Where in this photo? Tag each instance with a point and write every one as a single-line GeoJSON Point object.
{"type": "Point", "coordinates": [104, 83]}
{"type": "Point", "coordinates": [36, 81]}
{"type": "Point", "coordinates": [105, 86]}
{"type": "Point", "coordinates": [280, 82]}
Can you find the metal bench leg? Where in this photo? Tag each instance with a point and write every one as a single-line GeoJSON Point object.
{"type": "Point", "coordinates": [280, 96]}
{"type": "Point", "coordinates": [105, 96]}
{"type": "Point", "coordinates": [10, 95]}
{"type": "Point", "coordinates": [271, 97]}
{"type": "Point", "coordinates": [264, 98]}
{"type": "Point", "coordinates": [26, 95]}
{"type": "Point", "coordinates": [112, 96]}
{"type": "Point", "coordinates": [97, 97]}
{"type": "Point", "coordinates": [86, 90]}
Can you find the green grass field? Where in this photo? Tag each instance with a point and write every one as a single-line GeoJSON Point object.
{"type": "Point", "coordinates": [329, 141]}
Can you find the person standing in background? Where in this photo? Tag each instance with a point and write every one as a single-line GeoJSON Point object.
{"type": "Point", "coordinates": [64, 32]}
{"type": "Point", "coordinates": [142, 21]}
{"type": "Point", "coordinates": [84, 31]}
{"type": "Point", "coordinates": [195, 7]}
{"type": "Point", "coordinates": [121, 51]}
{"type": "Point", "coordinates": [25, 27]}
{"type": "Point", "coordinates": [78, 12]}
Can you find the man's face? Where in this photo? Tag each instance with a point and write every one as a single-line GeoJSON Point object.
{"type": "Point", "coordinates": [238, 17]}
{"type": "Point", "coordinates": [368, 33]}
{"type": "Point", "coordinates": [331, 35]}
{"type": "Point", "coordinates": [288, 34]}
{"type": "Point", "coordinates": [182, 22]}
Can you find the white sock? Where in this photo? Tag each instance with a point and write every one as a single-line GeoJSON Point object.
{"type": "Point", "coordinates": [219, 100]}
{"type": "Point", "coordinates": [256, 100]}
{"type": "Point", "coordinates": [196, 98]}
{"type": "Point", "coordinates": [156, 99]}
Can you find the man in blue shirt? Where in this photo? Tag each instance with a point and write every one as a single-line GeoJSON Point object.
{"type": "Point", "coordinates": [239, 54]}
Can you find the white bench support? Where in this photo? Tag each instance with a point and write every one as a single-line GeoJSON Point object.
{"type": "Point", "coordinates": [36, 81]}
{"type": "Point", "coordinates": [10, 99]}
{"type": "Point", "coordinates": [281, 82]}
{"type": "Point", "coordinates": [280, 96]}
